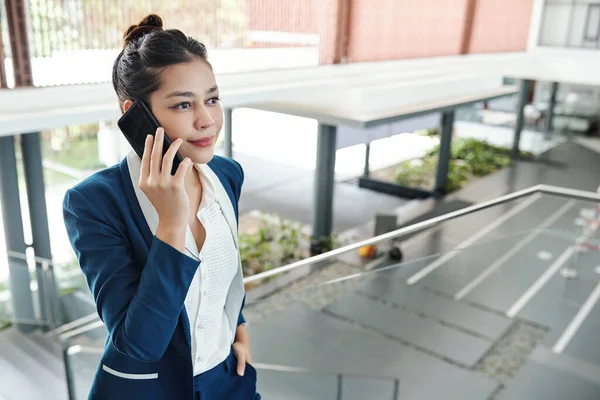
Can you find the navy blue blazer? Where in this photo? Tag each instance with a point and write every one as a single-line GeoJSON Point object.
{"type": "Point", "coordinates": [139, 284]}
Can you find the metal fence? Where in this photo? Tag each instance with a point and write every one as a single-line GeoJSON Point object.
{"type": "Point", "coordinates": [76, 41]}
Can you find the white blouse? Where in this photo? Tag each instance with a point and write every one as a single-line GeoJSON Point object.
{"type": "Point", "coordinates": [206, 297]}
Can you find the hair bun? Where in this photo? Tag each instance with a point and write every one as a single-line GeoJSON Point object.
{"type": "Point", "coordinates": [152, 20]}
{"type": "Point", "coordinates": [148, 24]}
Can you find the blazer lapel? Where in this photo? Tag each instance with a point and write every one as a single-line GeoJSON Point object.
{"type": "Point", "coordinates": [149, 212]}
{"type": "Point", "coordinates": [224, 202]}
{"type": "Point", "coordinates": [129, 189]}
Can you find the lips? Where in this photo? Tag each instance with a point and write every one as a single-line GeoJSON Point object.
{"type": "Point", "coordinates": [202, 143]}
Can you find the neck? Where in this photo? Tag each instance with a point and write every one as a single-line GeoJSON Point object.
{"type": "Point", "coordinates": [192, 180]}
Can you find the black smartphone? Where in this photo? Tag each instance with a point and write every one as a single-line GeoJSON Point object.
{"type": "Point", "coordinates": [137, 123]}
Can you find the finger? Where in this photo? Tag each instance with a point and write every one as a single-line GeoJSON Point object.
{"type": "Point", "coordinates": [241, 365]}
{"type": "Point", "coordinates": [182, 170]}
{"type": "Point", "coordinates": [156, 157]}
{"type": "Point", "coordinates": [145, 168]}
{"type": "Point", "coordinates": [167, 162]}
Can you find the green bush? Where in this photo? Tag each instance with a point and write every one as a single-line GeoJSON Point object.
{"type": "Point", "coordinates": [277, 242]}
{"type": "Point", "coordinates": [468, 158]}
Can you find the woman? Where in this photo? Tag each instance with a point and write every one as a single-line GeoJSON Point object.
{"type": "Point", "coordinates": [159, 251]}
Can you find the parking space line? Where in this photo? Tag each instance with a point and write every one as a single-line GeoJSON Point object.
{"type": "Point", "coordinates": [492, 268]}
{"type": "Point", "coordinates": [575, 324]}
{"type": "Point", "coordinates": [480, 234]}
{"type": "Point", "coordinates": [542, 280]}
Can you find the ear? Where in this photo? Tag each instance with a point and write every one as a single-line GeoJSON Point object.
{"type": "Point", "coordinates": [126, 105]}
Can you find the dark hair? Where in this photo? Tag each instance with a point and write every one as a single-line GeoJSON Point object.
{"type": "Point", "coordinates": [148, 49]}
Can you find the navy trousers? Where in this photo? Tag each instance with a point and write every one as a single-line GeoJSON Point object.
{"type": "Point", "coordinates": [223, 383]}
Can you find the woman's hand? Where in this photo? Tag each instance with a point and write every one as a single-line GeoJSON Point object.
{"type": "Point", "coordinates": [241, 349]}
{"type": "Point", "coordinates": [166, 192]}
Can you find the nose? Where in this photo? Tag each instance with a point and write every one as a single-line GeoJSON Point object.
{"type": "Point", "coordinates": [203, 119]}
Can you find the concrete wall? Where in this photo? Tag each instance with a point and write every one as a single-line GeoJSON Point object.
{"type": "Point", "coordinates": [500, 26]}
{"type": "Point", "coordinates": [388, 30]}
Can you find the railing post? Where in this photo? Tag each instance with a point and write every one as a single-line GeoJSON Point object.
{"type": "Point", "coordinates": [396, 389]}
{"type": "Point", "coordinates": [67, 364]}
{"type": "Point", "coordinates": [339, 387]}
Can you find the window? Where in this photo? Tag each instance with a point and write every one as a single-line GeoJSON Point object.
{"type": "Point", "coordinates": [592, 23]}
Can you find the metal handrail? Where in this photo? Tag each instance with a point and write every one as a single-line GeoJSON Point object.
{"type": "Point", "coordinates": [420, 226]}
{"type": "Point", "coordinates": [48, 305]}
{"type": "Point", "coordinates": [93, 317]}
{"type": "Point", "coordinates": [546, 189]}
{"type": "Point", "coordinates": [22, 256]}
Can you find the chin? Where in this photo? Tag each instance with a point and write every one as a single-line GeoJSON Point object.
{"type": "Point", "coordinates": [201, 156]}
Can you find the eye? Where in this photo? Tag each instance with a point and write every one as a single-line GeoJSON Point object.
{"type": "Point", "coordinates": [213, 100]}
{"type": "Point", "coordinates": [182, 106]}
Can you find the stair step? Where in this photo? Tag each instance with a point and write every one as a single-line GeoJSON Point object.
{"type": "Point", "coordinates": [38, 370]}
{"type": "Point", "coordinates": [459, 314]}
{"type": "Point", "coordinates": [333, 346]}
{"type": "Point", "coordinates": [428, 334]}
{"type": "Point", "coordinates": [17, 385]}
{"type": "Point", "coordinates": [49, 360]}
{"type": "Point", "coordinates": [50, 345]}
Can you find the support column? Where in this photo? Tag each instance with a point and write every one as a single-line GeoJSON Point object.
{"type": "Point", "coordinates": [34, 176]}
{"type": "Point", "coordinates": [525, 87]}
{"type": "Point", "coordinates": [441, 180]}
{"type": "Point", "coordinates": [550, 110]}
{"type": "Point", "coordinates": [322, 220]}
{"type": "Point", "coordinates": [16, 12]}
{"type": "Point", "coordinates": [228, 132]}
{"type": "Point", "coordinates": [22, 300]}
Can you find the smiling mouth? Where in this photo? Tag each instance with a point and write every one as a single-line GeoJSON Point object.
{"type": "Point", "coordinates": [204, 142]}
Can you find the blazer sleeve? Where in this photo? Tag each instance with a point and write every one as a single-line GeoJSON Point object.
{"type": "Point", "coordinates": [237, 187]}
{"type": "Point", "coordinates": [139, 306]}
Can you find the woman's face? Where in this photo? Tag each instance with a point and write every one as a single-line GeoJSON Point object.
{"type": "Point", "coordinates": [187, 106]}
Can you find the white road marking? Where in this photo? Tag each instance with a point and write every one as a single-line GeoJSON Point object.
{"type": "Point", "coordinates": [492, 268]}
{"type": "Point", "coordinates": [480, 234]}
{"type": "Point", "coordinates": [542, 280]}
{"type": "Point", "coordinates": [576, 322]}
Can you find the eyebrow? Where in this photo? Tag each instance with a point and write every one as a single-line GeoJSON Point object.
{"type": "Point", "coordinates": [191, 94]}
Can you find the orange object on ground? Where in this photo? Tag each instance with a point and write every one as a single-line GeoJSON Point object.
{"type": "Point", "coordinates": [368, 251]}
